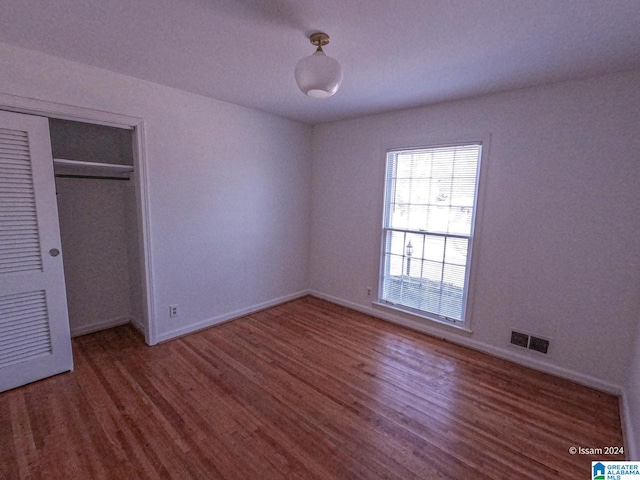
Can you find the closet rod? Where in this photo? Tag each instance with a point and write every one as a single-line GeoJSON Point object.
{"type": "Point", "coordinates": [94, 177]}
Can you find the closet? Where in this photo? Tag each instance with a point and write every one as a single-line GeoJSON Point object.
{"type": "Point", "coordinates": [96, 197]}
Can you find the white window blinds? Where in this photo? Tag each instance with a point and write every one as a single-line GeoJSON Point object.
{"type": "Point", "coordinates": [430, 206]}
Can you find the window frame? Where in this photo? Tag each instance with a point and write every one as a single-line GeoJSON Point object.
{"type": "Point", "coordinates": [471, 260]}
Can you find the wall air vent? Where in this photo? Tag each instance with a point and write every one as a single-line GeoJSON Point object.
{"type": "Point", "coordinates": [520, 339]}
{"type": "Point", "coordinates": [530, 342]}
{"type": "Point", "coordinates": [539, 344]}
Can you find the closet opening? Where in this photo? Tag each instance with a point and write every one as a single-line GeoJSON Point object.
{"type": "Point", "coordinates": [99, 224]}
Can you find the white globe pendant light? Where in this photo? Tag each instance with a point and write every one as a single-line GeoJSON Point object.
{"type": "Point", "coordinates": [317, 75]}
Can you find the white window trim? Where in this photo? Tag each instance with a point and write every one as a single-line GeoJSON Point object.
{"type": "Point", "coordinates": [472, 259]}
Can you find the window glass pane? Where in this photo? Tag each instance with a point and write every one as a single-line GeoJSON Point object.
{"type": "Point", "coordinates": [462, 192]}
{"type": "Point", "coordinates": [442, 164]}
{"type": "Point", "coordinates": [457, 251]}
{"type": "Point", "coordinates": [438, 219]}
{"type": "Point", "coordinates": [434, 248]}
{"type": "Point", "coordinates": [395, 243]}
{"type": "Point", "coordinates": [396, 265]}
{"type": "Point", "coordinates": [432, 271]}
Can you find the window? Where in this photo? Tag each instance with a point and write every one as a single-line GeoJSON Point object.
{"type": "Point", "coordinates": [430, 205]}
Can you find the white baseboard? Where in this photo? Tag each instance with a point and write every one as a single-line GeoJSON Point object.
{"type": "Point", "coordinates": [137, 325]}
{"type": "Point", "coordinates": [210, 322]}
{"type": "Point", "coordinates": [463, 338]}
{"type": "Point", "coordinates": [96, 327]}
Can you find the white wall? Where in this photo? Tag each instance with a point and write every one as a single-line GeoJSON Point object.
{"type": "Point", "coordinates": [228, 188]}
{"type": "Point", "coordinates": [95, 241]}
{"type": "Point", "coordinates": [558, 239]}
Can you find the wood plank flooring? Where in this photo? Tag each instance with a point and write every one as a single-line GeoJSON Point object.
{"type": "Point", "coordinates": [305, 390]}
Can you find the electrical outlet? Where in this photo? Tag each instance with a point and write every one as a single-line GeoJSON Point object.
{"type": "Point", "coordinates": [173, 311]}
{"type": "Point", "coordinates": [368, 291]}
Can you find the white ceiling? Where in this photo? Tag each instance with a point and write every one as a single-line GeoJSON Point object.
{"type": "Point", "coordinates": [395, 53]}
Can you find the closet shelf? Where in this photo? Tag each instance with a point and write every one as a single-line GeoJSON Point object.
{"type": "Point", "coordinates": [76, 168]}
{"type": "Point", "coordinates": [110, 167]}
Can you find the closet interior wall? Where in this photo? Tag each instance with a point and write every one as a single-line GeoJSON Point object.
{"type": "Point", "coordinates": [98, 227]}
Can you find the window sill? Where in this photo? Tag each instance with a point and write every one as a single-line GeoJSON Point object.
{"type": "Point", "coordinates": [410, 314]}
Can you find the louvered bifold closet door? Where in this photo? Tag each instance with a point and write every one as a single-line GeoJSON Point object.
{"type": "Point", "coordinates": [34, 326]}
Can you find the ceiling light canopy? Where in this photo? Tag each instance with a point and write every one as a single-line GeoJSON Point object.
{"type": "Point", "coordinates": [317, 75]}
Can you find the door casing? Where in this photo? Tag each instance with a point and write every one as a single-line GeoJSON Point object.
{"type": "Point", "coordinates": [44, 108]}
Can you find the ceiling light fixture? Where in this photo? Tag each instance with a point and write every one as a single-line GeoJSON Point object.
{"type": "Point", "coordinates": [317, 75]}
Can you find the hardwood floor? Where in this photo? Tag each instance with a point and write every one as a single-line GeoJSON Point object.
{"type": "Point", "coordinates": [305, 390]}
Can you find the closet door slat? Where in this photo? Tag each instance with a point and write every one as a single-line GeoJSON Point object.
{"type": "Point", "coordinates": [20, 239]}
{"type": "Point", "coordinates": [30, 336]}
